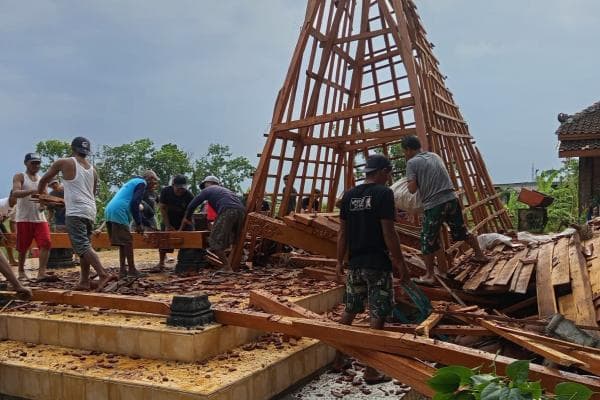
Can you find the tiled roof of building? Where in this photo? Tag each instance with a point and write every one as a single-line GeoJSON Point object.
{"type": "Point", "coordinates": [579, 145]}
{"type": "Point", "coordinates": [584, 122]}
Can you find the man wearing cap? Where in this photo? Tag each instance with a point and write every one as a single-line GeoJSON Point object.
{"type": "Point", "coordinates": [426, 172]}
{"type": "Point", "coordinates": [368, 238]}
{"type": "Point", "coordinates": [173, 201]}
{"type": "Point", "coordinates": [230, 216]}
{"type": "Point", "coordinates": [30, 218]}
{"type": "Point", "coordinates": [80, 182]}
{"type": "Point", "coordinates": [118, 214]}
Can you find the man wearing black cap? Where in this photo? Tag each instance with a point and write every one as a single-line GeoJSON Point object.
{"type": "Point", "coordinates": [80, 182]}
{"type": "Point", "coordinates": [367, 236]}
{"type": "Point", "coordinates": [30, 218]}
{"type": "Point", "coordinates": [173, 202]}
{"type": "Point", "coordinates": [426, 172]}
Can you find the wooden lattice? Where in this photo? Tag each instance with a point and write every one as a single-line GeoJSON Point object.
{"type": "Point", "coordinates": [362, 76]}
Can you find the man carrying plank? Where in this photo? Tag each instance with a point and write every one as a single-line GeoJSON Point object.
{"type": "Point", "coordinates": [426, 172]}
{"type": "Point", "coordinates": [367, 234]}
{"type": "Point", "coordinates": [80, 182]}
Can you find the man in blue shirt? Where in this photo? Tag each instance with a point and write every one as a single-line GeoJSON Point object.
{"type": "Point", "coordinates": [120, 211]}
{"type": "Point", "coordinates": [230, 217]}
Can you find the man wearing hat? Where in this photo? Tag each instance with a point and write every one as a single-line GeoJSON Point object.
{"type": "Point", "coordinates": [30, 218]}
{"type": "Point", "coordinates": [369, 241]}
{"type": "Point", "coordinates": [173, 201]}
{"type": "Point", "coordinates": [79, 185]}
{"type": "Point", "coordinates": [230, 216]}
{"type": "Point", "coordinates": [426, 172]}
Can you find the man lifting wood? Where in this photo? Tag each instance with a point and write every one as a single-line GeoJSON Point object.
{"type": "Point", "coordinates": [80, 182]}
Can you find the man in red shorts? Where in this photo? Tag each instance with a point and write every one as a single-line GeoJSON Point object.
{"type": "Point", "coordinates": [30, 218]}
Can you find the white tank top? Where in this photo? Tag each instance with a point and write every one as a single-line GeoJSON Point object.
{"type": "Point", "coordinates": [28, 210]}
{"type": "Point", "coordinates": [79, 193]}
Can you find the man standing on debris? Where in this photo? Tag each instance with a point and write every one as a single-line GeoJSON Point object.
{"type": "Point", "coordinates": [30, 218]}
{"type": "Point", "coordinates": [230, 217]}
{"type": "Point", "coordinates": [291, 205]}
{"type": "Point", "coordinates": [80, 182]}
{"type": "Point", "coordinates": [120, 210]}
{"type": "Point", "coordinates": [367, 234]}
{"type": "Point", "coordinates": [426, 172]}
{"type": "Point", "coordinates": [173, 201]}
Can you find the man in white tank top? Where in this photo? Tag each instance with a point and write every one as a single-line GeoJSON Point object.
{"type": "Point", "coordinates": [30, 218]}
{"type": "Point", "coordinates": [80, 182]}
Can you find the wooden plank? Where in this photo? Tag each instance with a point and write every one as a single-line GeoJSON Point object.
{"type": "Point", "coordinates": [452, 330]}
{"type": "Point", "coordinates": [411, 372]}
{"type": "Point", "coordinates": [515, 278]}
{"type": "Point", "coordinates": [395, 343]}
{"type": "Point", "coordinates": [480, 276]}
{"type": "Point", "coordinates": [499, 266]}
{"type": "Point", "coordinates": [566, 306]}
{"type": "Point", "coordinates": [101, 300]}
{"type": "Point", "coordinates": [560, 271]}
{"type": "Point", "coordinates": [430, 322]}
{"type": "Point", "coordinates": [148, 240]}
{"type": "Point", "coordinates": [594, 267]}
{"type": "Point", "coordinates": [580, 285]}
{"type": "Point", "coordinates": [546, 300]}
{"type": "Point", "coordinates": [524, 278]}
{"type": "Point", "coordinates": [509, 268]}
{"type": "Point", "coordinates": [538, 348]}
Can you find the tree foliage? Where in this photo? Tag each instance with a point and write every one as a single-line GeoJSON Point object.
{"type": "Point", "coordinates": [52, 150]}
{"type": "Point", "coordinates": [219, 161]}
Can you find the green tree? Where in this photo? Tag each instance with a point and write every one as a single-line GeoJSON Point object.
{"type": "Point", "coordinates": [219, 161]}
{"type": "Point", "coordinates": [168, 161]}
{"type": "Point", "coordinates": [51, 150]}
{"type": "Point", "coordinates": [118, 164]}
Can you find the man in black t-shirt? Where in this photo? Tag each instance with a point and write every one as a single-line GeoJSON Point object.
{"type": "Point", "coordinates": [173, 202]}
{"type": "Point", "coordinates": [368, 237]}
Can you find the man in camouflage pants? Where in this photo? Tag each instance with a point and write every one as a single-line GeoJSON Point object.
{"type": "Point", "coordinates": [367, 233]}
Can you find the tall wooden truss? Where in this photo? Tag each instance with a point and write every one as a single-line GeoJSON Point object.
{"type": "Point", "coordinates": [362, 76]}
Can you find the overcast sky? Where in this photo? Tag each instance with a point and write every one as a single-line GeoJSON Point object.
{"type": "Point", "coordinates": [195, 72]}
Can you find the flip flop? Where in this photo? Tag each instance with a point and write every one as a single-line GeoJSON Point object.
{"type": "Point", "coordinates": [381, 378]}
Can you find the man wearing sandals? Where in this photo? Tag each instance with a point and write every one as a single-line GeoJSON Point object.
{"type": "Point", "coordinates": [426, 172]}
{"type": "Point", "coordinates": [79, 182]}
{"type": "Point", "coordinates": [367, 234]}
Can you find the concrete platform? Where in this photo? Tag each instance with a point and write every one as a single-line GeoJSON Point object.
{"type": "Point", "coordinates": [66, 353]}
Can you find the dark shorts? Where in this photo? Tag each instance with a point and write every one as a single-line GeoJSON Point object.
{"type": "Point", "coordinates": [372, 285]}
{"type": "Point", "coordinates": [119, 234]}
{"type": "Point", "coordinates": [449, 212]}
{"type": "Point", "coordinates": [226, 229]}
{"type": "Point", "coordinates": [80, 230]}
{"type": "Point", "coordinates": [28, 231]}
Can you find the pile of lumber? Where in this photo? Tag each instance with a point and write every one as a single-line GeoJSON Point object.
{"type": "Point", "coordinates": [411, 356]}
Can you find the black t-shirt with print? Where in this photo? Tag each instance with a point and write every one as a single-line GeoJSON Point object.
{"type": "Point", "coordinates": [176, 205]}
{"type": "Point", "coordinates": [363, 208]}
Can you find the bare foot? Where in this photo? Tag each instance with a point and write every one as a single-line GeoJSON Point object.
{"type": "Point", "coordinates": [103, 281]}
{"type": "Point", "coordinates": [24, 291]}
{"type": "Point", "coordinates": [82, 287]}
{"type": "Point", "coordinates": [22, 276]}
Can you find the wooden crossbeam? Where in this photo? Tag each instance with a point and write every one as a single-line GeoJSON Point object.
{"type": "Point", "coordinates": [149, 240]}
{"type": "Point", "coordinates": [346, 114]}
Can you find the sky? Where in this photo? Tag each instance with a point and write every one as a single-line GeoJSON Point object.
{"type": "Point", "coordinates": [195, 72]}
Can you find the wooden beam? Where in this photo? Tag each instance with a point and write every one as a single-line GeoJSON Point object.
{"type": "Point", "coordinates": [382, 134]}
{"type": "Point", "coordinates": [505, 275]}
{"type": "Point", "coordinates": [560, 271]}
{"type": "Point", "coordinates": [408, 371]}
{"type": "Point", "coordinates": [102, 300]}
{"type": "Point", "coordinates": [395, 343]}
{"type": "Point", "coordinates": [346, 114]}
{"type": "Point", "coordinates": [580, 285]}
{"type": "Point", "coordinates": [149, 240]}
{"type": "Point", "coordinates": [427, 326]}
{"type": "Point", "coordinates": [546, 300]}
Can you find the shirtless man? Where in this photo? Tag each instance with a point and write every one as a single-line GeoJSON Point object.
{"type": "Point", "coordinates": [30, 218]}
{"type": "Point", "coordinates": [80, 182]}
